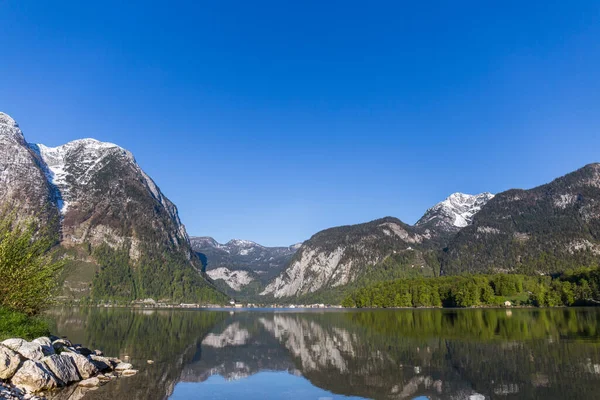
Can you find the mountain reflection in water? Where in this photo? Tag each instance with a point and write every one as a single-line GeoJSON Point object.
{"type": "Point", "coordinates": [384, 354]}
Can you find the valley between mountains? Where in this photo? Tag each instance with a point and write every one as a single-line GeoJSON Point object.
{"type": "Point", "coordinates": [124, 241]}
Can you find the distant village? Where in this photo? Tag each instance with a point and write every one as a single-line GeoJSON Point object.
{"type": "Point", "coordinates": [151, 303]}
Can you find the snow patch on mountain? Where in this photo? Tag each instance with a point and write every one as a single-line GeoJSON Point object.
{"type": "Point", "coordinates": [234, 279]}
{"type": "Point", "coordinates": [455, 212]}
{"type": "Point", "coordinates": [85, 156]}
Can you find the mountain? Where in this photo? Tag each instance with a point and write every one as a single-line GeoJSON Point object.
{"type": "Point", "coordinates": [454, 213]}
{"type": "Point", "coordinates": [121, 235]}
{"type": "Point", "coordinates": [338, 256]}
{"type": "Point", "coordinates": [238, 263]}
{"type": "Point", "coordinates": [542, 230]}
{"type": "Point", "coordinates": [378, 250]}
{"type": "Point", "coordinates": [23, 184]}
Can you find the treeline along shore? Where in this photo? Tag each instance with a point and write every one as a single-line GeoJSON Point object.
{"type": "Point", "coordinates": [574, 287]}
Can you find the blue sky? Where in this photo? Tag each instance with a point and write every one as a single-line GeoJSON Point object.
{"type": "Point", "coordinates": [271, 120]}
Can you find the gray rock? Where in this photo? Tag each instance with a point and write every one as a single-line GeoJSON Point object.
{"type": "Point", "coordinates": [31, 351]}
{"type": "Point", "coordinates": [62, 367]}
{"type": "Point", "coordinates": [91, 382]}
{"type": "Point", "coordinates": [102, 363]}
{"type": "Point", "coordinates": [123, 366]}
{"type": "Point", "coordinates": [9, 362]}
{"type": "Point", "coordinates": [46, 344]}
{"type": "Point", "coordinates": [33, 376]}
{"type": "Point", "coordinates": [85, 368]}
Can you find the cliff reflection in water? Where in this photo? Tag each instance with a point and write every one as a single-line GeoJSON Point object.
{"type": "Point", "coordinates": [387, 354]}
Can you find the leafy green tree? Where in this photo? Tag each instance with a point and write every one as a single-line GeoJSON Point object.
{"type": "Point", "coordinates": [28, 273]}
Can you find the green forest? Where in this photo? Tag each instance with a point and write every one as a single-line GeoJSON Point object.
{"type": "Point", "coordinates": [159, 276]}
{"type": "Point", "coordinates": [573, 287]}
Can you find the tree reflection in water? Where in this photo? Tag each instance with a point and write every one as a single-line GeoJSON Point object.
{"type": "Point", "coordinates": [383, 354]}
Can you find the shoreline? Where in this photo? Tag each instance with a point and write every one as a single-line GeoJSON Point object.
{"type": "Point", "coordinates": [46, 365]}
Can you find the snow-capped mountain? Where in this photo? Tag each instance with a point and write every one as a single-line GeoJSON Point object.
{"type": "Point", "coordinates": [542, 230]}
{"type": "Point", "coordinates": [240, 262]}
{"type": "Point", "coordinates": [106, 207]}
{"type": "Point", "coordinates": [339, 256]}
{"type": "Point", "coordinates": [23, 184]}
{"type": "Point", "coordinates": [455, 212]}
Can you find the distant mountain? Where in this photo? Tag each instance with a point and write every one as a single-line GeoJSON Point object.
{"type": "Point", "coordinates": [338, 256]}
{"type": "Point", "coordinates": [542, 230]}
{"type": "Point", "coordinates": [378, 250]}
{"type": "Point", "coordinates": [23, 184]}
{"type": "Point", "coordinates": [123, 237]}
{"type": "Point", "coordinates": [454, 213]}
{"type": "Point", "coordinates": [238, 263]}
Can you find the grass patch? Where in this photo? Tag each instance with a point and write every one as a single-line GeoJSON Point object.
{"type": "Point", "coordinates": [17, 325]}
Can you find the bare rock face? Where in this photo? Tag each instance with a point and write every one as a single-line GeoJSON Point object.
{"type": "Point", "coordinates": [62, 367]}
{"type": "Point", "coordinates": [337, 256]}
{"type": "Point", "coordinates": [9, 362]}
{"type": "Point", "coordinates": [33, 376]}
{"type": "Point", "coordinates": [29, 350]}
{"type": "Point", "coordinates": [84, 367]}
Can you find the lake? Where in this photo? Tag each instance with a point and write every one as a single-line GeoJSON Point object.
{"type": "Point", "coordinates": [471, 354]}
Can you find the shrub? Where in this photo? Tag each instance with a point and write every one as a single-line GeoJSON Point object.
{"type": "Point", "coordinates": [28, 274]}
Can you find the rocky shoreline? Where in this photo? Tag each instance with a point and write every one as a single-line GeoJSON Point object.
{"type": "Point", "coordinates": [47, 366]}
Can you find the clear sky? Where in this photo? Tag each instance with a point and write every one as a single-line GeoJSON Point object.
{"type": "Point", "coordinates": [272, 120]}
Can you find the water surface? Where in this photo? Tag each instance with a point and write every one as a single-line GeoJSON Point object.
{"type": "Point", "coordinates": [384, 354]}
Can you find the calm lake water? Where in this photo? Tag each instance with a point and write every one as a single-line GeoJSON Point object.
{"type": "Point", "coordinates": [384, 354]}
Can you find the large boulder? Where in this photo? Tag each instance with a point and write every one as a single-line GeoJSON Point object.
{"type": "Point", "coordinates": [46, 344]}
{"type": "Point", "coordinates": [31, 351]}
{"type": "Point", "coordinates": [102, 363]}
{"type": "Point", "coordinates": [33, 376]}
{"type": "Point", "coordinates": [84, 367]}
{"type": "Point", "coordinates": [63, 367]}
{"type": "Point", "coordinates": [9, 362]}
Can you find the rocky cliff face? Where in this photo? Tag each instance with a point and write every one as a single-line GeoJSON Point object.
{"type": "Point", "coordinates": [337, 256]}
{"type": "Point", "coordinates": [105, 197]}
{"type": "Point", "coordinates": [545, 229]}
{"type": "Point", "coordinates": [23, 185]}
{"type": "Point", "coordinates": [113, 221]}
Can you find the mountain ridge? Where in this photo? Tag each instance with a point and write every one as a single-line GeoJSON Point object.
{"type": "Point", "coordinates": [239, 263]}
{"type": "Point", "coordinates": [540, 230]}
{"type": "Point", "coordinates": [339, 256]}
{"type": "Point", "coordinates": [122, 237]}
